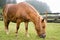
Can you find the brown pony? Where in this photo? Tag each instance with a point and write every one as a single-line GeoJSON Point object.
{"type": "Point", "coordinates": [23, 12]}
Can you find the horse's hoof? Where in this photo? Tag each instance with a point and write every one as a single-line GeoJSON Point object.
{"type": "Point", "coordinates": [16, 35]}
{"type": "Point", "coordinates": [7, 33]}
{"type": "Point", "coordinates": [27, 35]}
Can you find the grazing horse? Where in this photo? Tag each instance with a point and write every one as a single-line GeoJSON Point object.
{"type": "Point", "coordinates": [23, 12]}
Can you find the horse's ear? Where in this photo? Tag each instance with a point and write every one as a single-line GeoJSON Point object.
{"type": "Point", "coordinates": [42, 20]}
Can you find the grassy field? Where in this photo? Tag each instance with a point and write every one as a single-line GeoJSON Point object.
{"type": "Point", "coordinates": [52, 32]}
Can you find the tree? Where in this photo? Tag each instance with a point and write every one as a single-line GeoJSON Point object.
{"type": "Point", "coordinates": [2, 2]}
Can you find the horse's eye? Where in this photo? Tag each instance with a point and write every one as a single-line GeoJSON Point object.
{"type": "Point", "coordinates": [43, 27]}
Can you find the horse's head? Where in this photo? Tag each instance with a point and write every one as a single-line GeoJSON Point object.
{"type": "Point", "coordinates": [43, 25]}
{"type": "Point", "coordinates": [41, 29]}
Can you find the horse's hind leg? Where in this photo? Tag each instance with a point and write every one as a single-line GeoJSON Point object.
{"type": "Point", "coordinates": [26, 28]}
{"type": "Point", "coordinates": [6, 22]}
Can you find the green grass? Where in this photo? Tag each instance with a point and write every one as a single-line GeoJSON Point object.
{"type": "Point", "coordinates": [52, 32]}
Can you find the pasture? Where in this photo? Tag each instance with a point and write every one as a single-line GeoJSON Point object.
{"type": "Point", "coordinates": [52, 32]}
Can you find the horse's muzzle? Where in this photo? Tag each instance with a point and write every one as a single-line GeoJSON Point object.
{"type": "Point", "coordinates": [42, 35]}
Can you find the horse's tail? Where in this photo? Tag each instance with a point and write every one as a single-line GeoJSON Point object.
{"type": "Point", "coordinates": [4, 8]}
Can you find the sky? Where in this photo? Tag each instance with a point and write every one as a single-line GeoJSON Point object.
{"type": "Point", "coordinates": [53, 4]}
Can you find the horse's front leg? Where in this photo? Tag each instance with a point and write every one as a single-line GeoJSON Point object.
{"type": "Point", "coordinates": [17, 26]}
{"type": "Point", "coordinates": [26, 28]}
